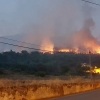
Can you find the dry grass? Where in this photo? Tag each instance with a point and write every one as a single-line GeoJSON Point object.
{"type": "Point", "coordinates": [19, 80]}
{"type": "Point", "coordinates": [32, 88]}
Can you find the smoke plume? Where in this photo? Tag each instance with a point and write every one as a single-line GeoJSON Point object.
{"type": "Point", "coordinates": [50, 24]}
{"type": "Point", "coordinates": [84, 40]}
{"type": "Point", "coordinates": [57, 29]}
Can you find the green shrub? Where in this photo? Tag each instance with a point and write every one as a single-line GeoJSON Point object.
{"type": "Point", "coordinates": [1, 72]}
{"type": "Point", "coordinates": [40, 74]}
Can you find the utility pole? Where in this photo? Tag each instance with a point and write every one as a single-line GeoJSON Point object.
{"type": "Point", "coordinates": [90, 64]}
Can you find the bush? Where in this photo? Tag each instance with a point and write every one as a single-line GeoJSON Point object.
{"type": "Point", "coordinates": [40, 74]}
{"type": "Point", "coordinates": [1, 72]}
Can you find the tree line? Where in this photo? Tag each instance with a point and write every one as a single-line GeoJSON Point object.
{"type": "Point", "coordinates": [37, 63]}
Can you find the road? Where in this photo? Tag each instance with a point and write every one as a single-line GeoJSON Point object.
{"type": "Point", "coordinates": [91, 95]}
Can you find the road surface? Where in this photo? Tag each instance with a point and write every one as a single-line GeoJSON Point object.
{"type": "Point", "coordinates": [91, 95]}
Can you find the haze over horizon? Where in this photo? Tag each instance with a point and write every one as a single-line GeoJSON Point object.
{"type": "Point", "coordinates": [56, 21]}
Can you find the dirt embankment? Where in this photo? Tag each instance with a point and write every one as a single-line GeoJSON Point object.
{"type": "Point", "coordinates": [40, 91]}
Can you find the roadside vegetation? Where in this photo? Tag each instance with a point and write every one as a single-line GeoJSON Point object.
{"type": "Point", "coordinates": [41, 65]}
{"type": "Point", "coordinates": [33, 76]}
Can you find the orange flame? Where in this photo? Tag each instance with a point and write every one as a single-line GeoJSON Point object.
{"type": "Point", "coordinates": [93, 46]}
{"type": "Point", "coordinates": [97, 70]}
{"type": "Point", "coordinates": [94, 70]}
{"type": "Point", "coordinates": [84, 47]}
{"type": "Point", "coordinates": [77, 47]}
{"type": "Point", "coordinates": [75, 50]}
{"type": "Point", "coordinates": [47, 46]}
{"type": "Point", "coordinates": [94, 50]}
{"type": "Point", "coordinates": [64, 50]}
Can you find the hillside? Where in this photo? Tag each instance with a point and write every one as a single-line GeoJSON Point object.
{"type": "Point", "coordinates": [49, 64]}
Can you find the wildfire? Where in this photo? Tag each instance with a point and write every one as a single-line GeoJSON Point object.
{"type": "Point", "coordinates": [64, 50]}
{"type": "Point", "coordinates": [97, 50]}
{"type": "Point", "coordinates": [94, 48]}
{"type": "Point", "coordinates": [77, 47]}
{"type": "Point", "coordinates": [96, 70]}
{"type": "Point", "coordinates": [75, 50]}
{"type": "Point", "coordinates": [47, 46]}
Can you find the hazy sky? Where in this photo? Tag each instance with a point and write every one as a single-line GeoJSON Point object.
{"type": "Point", "coordinates": [63, 16]}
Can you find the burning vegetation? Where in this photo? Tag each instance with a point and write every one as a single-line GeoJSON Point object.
{"type": "Point", "coordinates": [80, 42]}
{"type": "Point", "coordinates": [96, 70]}
{"type": "Point", "coordinates": [47, 46]}
{"type": "Point", "coordinates": [82, 47]}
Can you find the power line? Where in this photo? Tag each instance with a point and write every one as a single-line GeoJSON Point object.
{"type": "Point", "coordinates": [17, 40]}
{"type": "Point", "coordinates": [91, 2]}
{"type": "Point", "coordinates": [25, 47]}
{"type": "Point", "coordinates": [23, 42]}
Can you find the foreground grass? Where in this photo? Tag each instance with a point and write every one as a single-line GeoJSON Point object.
{"type": "Point", "coordinates": [22, 80]}
{"type": "Point", "coordinates": [32, 88]}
